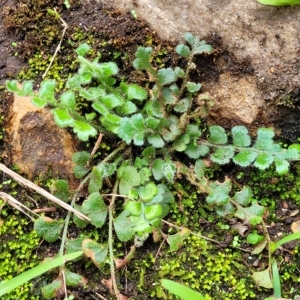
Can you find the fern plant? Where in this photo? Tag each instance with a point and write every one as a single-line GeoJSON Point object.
{"type": "Point", "coordinates": [160, 120]}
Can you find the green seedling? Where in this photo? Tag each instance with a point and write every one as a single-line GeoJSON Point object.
{"type": "Point", "coordinates": [8, 286]}
{"type": "Point", "coordinates": [280, 2]}
{"type": "Point", "coordinates": [181, 291]}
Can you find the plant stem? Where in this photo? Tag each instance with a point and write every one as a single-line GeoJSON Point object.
{"type": "Point", "coordinates": [97, 144]}
{"type": "Point", "coordinates": [81, 185]}
{"type": "Point", "coordinates": [108, 157]}
{"type": "Point", "coordinates": [67, 220]}
{"type": "Point", "coordinates": [110, 240]}
{"type": "Point", "coordinates": [202, 236]}
{"type": "Point", "coordinates": [266, 233]}
{"type": "Point", "coordinates": [186, 77]}
{"type": "Point", "coordinates": [59, 44]}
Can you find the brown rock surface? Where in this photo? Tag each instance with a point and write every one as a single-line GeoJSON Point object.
{"type": "Point", "coordinates": [37, 145]}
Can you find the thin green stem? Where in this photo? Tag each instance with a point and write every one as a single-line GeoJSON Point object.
{"type": "Point", "coordinates": [110, 240]}
{"type": "Point", "coordinates": [186, 77]}
{"type": "Point", "coordinates": [112, 154]}
{"type": "Point", "coordinates": [202, 236]}
{"type": "Point", "coordinates": [82, 184]}
{"type": "Point", "coordinates": [67, 220]}
{"type": "Point", "coordinates": [266, 233]}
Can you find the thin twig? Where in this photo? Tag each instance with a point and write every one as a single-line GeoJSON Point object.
{"type": "Point", "coordinates": [97, 144]}
{"type": "Point", "coordinates": [41, 191]}
{"type": "Point", "coordinates": [119, 196]}
{"type": "Point", "coordinates": [45, 209]}
{"type": "Point", "coordinates": [64, 281]}
{"type": "Point", "coordinates": [17, 204]}
{"type": "Point", "coordinates": [204, 237]}
{"type": "Point", "coordinates": [160, 246]}
{"type": "Point", "coordinates": [101, 297]}
{"type": "Point", "coordinates": [59, 44]}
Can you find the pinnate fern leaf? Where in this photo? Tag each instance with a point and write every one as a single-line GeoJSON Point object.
{"type": "Point", "coordinates": [219, 193]}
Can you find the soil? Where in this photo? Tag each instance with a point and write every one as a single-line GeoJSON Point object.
{"type": "Point", "coordinates": [25, 24]}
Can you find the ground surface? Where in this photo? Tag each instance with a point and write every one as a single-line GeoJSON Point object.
{"type": "Point", "coordinates": [229, 74]}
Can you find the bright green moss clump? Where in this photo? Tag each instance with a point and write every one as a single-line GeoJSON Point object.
{"type": "Point", "coordinates": [216, 274]}
{"type": "Point", "coordinates": [17, 251]}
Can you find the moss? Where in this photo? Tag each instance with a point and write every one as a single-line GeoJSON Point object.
{"type": "Point", "coordinates": [17, 251]}
{"type": "Point", "coordinates": [269, 187]}
{"type": "Point", "coordinates": [217, 274]}
{"type": "Point", "coordinates": [290, 274]}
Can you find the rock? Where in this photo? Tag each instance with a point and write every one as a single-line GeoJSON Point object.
{"type": "Point", "coordinates": [267, 35]}
{"type": "Point", "coordinates": [37, 145]}
{"type": "Point", "coordinates": [236, 98]}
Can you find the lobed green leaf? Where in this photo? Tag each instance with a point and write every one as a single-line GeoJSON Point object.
{"type": "Point", "coordinates": [155, 140]}
{"type": "Point", "coordinates": [62, 117]}
{"type": "Point", "coordinates": [179, 72]}
{"type": "Point", "coordinates": [194, 150]}
{"type": "Point", "coordinates": [203, 48]}
{"type": "Point", "coordinates": [183, 105]}
{"type": "Point", "coordinates": [282, 166]}
{"type": "Point", "coordinates": [264, 139]}
{"type": "Point", "coordinates": [46, 92]}
{"type": "Point", "coordinates": [218, 135]}
{"type": "Point", "coordinates": [263, 160]}
{"type": "Point", "coordinates": [193, 87]}
{"type": "Point", "coordinates": [112, 100]}
{"type": "Point", "coordinates": [95, 251]}
{"type": "Point", "coordinates": [176, 240]}
{"type": "Point", "coordinates": [12, 86]}
{"type": "Point", "coordinates": [153, 212]}
{"type": "Point", "coordinates": [189, 38]}
{"type": "Point", "coordinates": [136, 92]}
{"type": "Point", "coordinates": [129, 177]}
{"type": "Point", "coordinates": [183, 50]}
{"type": "Point", "coordinates": [73, 279]}
{"type": "Point", "coordinates": [222, 155]}
{"type": "Point", "coordinates": [244, 196]}
{"type": "Point", "coordinates": [123, 226]}
{"type": "Point", "coordinates": [219, 193]}
{"type": "Point", "coordinates": [241, 137]}
{"type": "Point", "coordinates": [143, 57]}
{"type": "Point", "coordinates": [127, 108]}
{"type": "Point", "coordinates": [84, 130]}
{"type": "Point", "coordinates": [148, 191]}
{"type": "Point", "coordinates": [225, 210]}
{"type": "Point", "coordinates": [67, 100]}
{"type": "Point", "coordinates": [166, 76]}
{"type": "Point", "coordinates": [48, 228]}
{"type": "Point", "coordinates": [245, 157]}
{"type": "Point", "coordinates": [82, 49]}
{"type": "Point", "coordinates": [252, 214]}
{"type": "Point", "coordinates": [81, 158]}
{"type": "Point", "coordinates": [95, 208]}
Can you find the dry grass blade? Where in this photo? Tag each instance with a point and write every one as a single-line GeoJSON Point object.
{"type": "Point", "coordinates": [41, 191]}
{"type": "Point", "coordinates": [16, 204]}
